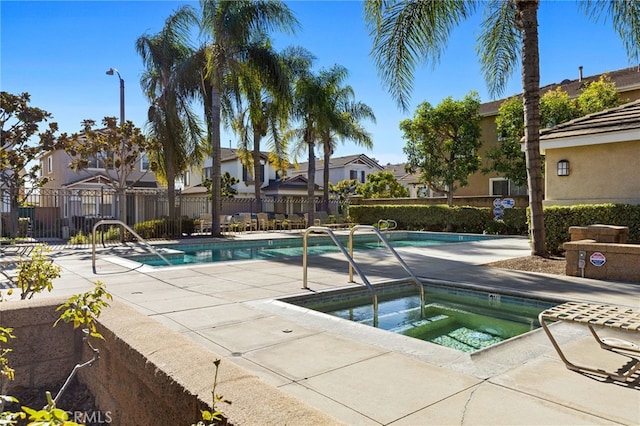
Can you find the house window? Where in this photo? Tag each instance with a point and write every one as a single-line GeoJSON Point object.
{"type": "Point", "coordinates": [246, 175]}
{"type": "Point", "coordinates": [144, 163]}
{"type": "Point", "coordinates": [505, 187]}
{"type": "Point", "coordinates": [499, 187]}
{"type": "Point", "coordinates": [358, 175]}
{"type": "Point", "coordinates": [50, 164]}
{"type": "Point", "coordinates": [207, 172]}
{"type": "Point", "coordinates": [41, 171]}
{"type": "Point", "coordinates": [187, 178]}
{"type": "Point", "coordinates": [97, 162]}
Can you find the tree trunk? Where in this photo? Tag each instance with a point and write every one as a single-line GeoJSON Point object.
{"type": "Point", "coordinates": [257, 178]}
{"type": "Point", "coordinates": [325, 179]}
{"type": "Point", "coordinates": [450, 204]}
{"type": "Point", "coordinates": [121, 194]}
{"type": "Point", "coordinates": [311, 181]}
{"type": "Point", "coordinates": [528, 19]}
{"type": "Point", "coordinates": [171, 185]}
{"type": "Point", "coordinates": [216, 174]}
{"type": "Point", "coordinates": [14, 217]}
{"type": "Point", "coordinates": [171, 197]}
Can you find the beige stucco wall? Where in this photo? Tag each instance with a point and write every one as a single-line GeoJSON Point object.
{"type": "Point", "coordinates": [605, 173]}
{"type": "Point", "coordinates": [479, 182]}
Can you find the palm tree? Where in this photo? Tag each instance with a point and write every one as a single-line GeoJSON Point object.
{"type": "Point", "coordinates": [324, 110]}
{"type": "Point", "coordinates": [264, 113]}
{"type": "Point", "coordinates": [170, 119]}
{"type": "Point", "coordinates": [405, 33]}
{"type": "Point", "coordinates": [233, 30]}
{"type": "Point", "coordinates": [346, 127]}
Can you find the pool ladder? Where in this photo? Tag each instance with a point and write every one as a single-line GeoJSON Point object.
{"type": "Point", "coordinates": [128, 228]}
{"type": "Point", "coordinates": [354, 266]}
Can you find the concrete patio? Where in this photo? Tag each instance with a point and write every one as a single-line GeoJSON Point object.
{"type": "Point", "coordinates": [365, 376]}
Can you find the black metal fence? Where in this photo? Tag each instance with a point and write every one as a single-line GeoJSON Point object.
{"type": "Point", "coordinates": [63, 213]}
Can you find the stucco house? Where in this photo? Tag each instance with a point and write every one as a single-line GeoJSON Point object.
{"type": "Point", "coordinates": [279, 195]}
{"type": "Point", "coordinates": [76, 196]}
{"type": "Point", "coordinates": [594, 159]}
{"type": "Point", "coordinates": [230, 163]}
{"type": "Point", "coordinates": [357, 166]}
{"type": "Point", "coordinates": [627, 82]}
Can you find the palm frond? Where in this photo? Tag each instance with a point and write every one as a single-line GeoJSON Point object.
{"type": "Point", "coordinates": [498, 45]}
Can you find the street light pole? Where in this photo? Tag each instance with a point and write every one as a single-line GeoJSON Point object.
{"type": "Point", "coordinates": [111, 71]}
{"type": "Point", "coordinates": [121, 190]}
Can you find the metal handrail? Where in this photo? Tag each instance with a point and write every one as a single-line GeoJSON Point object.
{"type": "Point", "coordinates": [388, 223]}
{"type": "Point", "coordinates": [397, 256]}
{"type": "Point", "coordinates": [352, 265]}
{"type": "Point", "coordinates": [128, 228]}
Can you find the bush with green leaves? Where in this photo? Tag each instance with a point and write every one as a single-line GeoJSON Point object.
{"type": "Point", "coordinates": [164, 228]}
{"type": "Point", "coordinates": [36, 274]}
{"type": "Point", "coordinates": [439, 217]}
{"type": "Point", "coordinates": [111, 234]}
{"type": "Point", "coordinates": [558, 219]}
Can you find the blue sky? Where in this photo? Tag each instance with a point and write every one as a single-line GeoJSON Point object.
{"type": "Point", "coordinates": [58, 51]}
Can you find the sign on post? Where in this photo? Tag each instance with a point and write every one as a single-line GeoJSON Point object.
{"type": "Point", "coordinates": [508, 203]}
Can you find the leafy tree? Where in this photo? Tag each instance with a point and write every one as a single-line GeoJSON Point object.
{"type": "Point", "coordinates": [443, 143]}
{"type": "Point", "coordinates": [556, 107]}
{"type": "Point", "coordinates": [407, 33]}
{"type": "Point", "coordinates": [382, 184]}
{"type": "Point", "coordinates": [342, 190]}
{"type": "Point", "coordinates": [22, 142]}
{"type": "Point", "coordinates": [170, 118]}
{"type": "Point", "coordinates": [231, 29]}
{"type": "Point", "coordinates": [598, 96]}
{"type": "Point", "coordinates": [226, 186]}
{"type": "Point", "coordinates": [114, 152]}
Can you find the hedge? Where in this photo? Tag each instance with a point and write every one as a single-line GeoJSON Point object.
{"type": "Point", "coordinates": [163, 228]}
{"type": "Point", "coordinates": [557, 219]}
{"type": "Point", "coordinates": [421, 217]}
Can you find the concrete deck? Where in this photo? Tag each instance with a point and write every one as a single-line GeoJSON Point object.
{"type": "Point", "coordinates": [365, 376]}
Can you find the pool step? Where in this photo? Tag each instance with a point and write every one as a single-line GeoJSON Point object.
{"type": "Point", "coordinates": [432, 323]}
{"type": "Point", "coordinates": [466, 340]}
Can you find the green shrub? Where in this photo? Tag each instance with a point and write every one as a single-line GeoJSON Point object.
{"type": "Point", "coordinates": [425, 217]}
{"type": "Point", "coordinates": [516, 221]}
{"type": "Point", "coordinates": [80, 238]}
{"type": "Point", "coordinates": [165, 228]}
{"type": "Point", "coordinates": [496, 227]}
{"type": "Point", "coordinates": [558, 219]}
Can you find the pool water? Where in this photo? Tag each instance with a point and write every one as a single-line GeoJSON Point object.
{"type": "Point", "coordinates": [184, 254]}
{"type": "Point", "coordinates": [455, 317]}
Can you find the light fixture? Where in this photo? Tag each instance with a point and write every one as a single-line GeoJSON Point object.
{"type": "Point", "coordinates": [563, 168]}
{"type": "Point", "coordinates": [111, 71]}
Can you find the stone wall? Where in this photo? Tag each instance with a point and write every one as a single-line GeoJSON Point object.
{"type": "Point", "coordinates": [147, 374]}
{"type": "Point", "coordinates": [621, 261]}
{"type": "Point", "coordinates": [42, 355]}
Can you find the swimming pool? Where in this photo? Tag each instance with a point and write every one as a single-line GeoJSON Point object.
{"type": "Point", "coordinates": [459, 318]}
{"type": "Point", "coordinates": [223, 251]}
